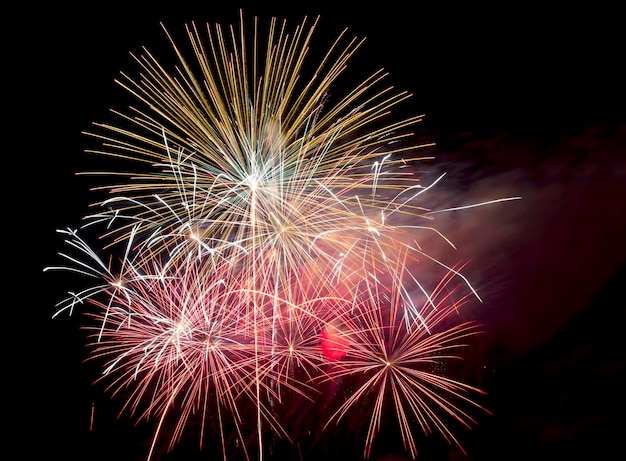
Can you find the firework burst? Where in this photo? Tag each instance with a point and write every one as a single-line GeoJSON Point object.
{"type": "Point", "coordinates": [391, 360]}
{"type": "Point", "coordinates": [266, 243]}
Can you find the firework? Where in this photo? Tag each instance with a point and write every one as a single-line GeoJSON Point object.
{"type": "Point", "coordinates": [391, 359]}
{"type": "Point", "coordinates": [266, 241]}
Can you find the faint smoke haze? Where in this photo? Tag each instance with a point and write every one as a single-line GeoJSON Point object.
{"type": "Point", "coordinates": [539, 261]}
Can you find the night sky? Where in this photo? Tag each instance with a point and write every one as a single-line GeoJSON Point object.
{"type": "Point", "coordinates": [520, 101]}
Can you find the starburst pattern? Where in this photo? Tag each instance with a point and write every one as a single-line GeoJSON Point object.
{"type": "Point", "coordinates": [267, 240]}
{"type": "Point", "coordinates": [395, 360]}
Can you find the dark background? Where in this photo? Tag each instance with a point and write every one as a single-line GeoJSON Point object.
{"type": "Point", "coordinates": [521, 100]}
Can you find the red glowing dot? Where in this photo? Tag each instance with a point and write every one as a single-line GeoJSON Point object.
{"type": "Point", "coordinates": [333, 344]}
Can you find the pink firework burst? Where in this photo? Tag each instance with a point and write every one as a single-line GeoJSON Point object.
{"type": "Point", "coordinates": [394, 364]}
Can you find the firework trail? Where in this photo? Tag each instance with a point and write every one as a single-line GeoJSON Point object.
{"type": "Point", "coordinates": [265, 242]}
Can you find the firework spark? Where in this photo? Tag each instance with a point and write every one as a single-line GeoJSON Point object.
{"type": "Point", "coordinates": [267, 243]}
